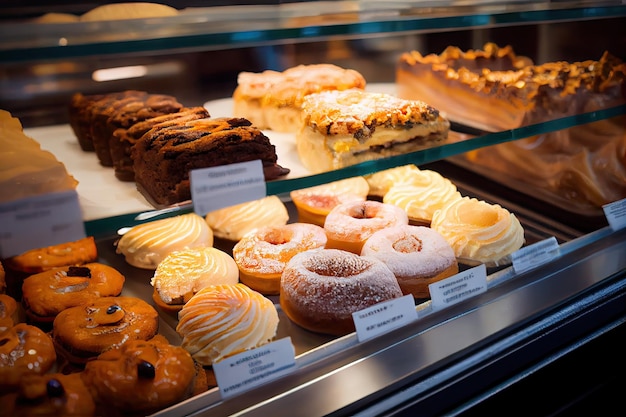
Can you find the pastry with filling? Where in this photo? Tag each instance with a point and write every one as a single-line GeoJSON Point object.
{"type": "Point", "coordinates": [342, 128]}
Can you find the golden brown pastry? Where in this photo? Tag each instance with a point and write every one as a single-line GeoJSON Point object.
{"type": "Point", "coordinates": [3, 282]}
{"type": "Point", "coordinates": [380, 182]}
{"type": "Point", "coordinates": [141, 376]}
{"type": "Point", "coordinates": [273, 100]}
{"type": "Point", "coordinates": [46, 294]}
{"type": "Point", "coordinates": [342, 128]}
{"type": "Point", "coordinates": [479, 232]}
{"type": "Point", "coordinates": [24, 350]}
{"type": "Point", "coordinates": [146, 245]}
{"type": "Point", "coordinates": [320, 289]}
{"type": "Point", "coordinates": [83, 332]}
{"type": "Point", "coordinates": [262, 254]}
{"type": "Point", "coordinates": [417, 256]}
{"type": "Point", "coordinates": [314, 203]}
{"type": "Point", "coordinates": [183, 273]}
{"type": "Point", "coordinates": [223, 320]}
{"type": "Point", "coordinates": [52, 394]}
{"type": "Point", "coordinates": [349, 225]}
{"type": "Point", "coordinates": [421, 195]}
{"type": "Point", "coordinates": [8, 312]}
{"type": "Point", "coordinates": [232, 223]}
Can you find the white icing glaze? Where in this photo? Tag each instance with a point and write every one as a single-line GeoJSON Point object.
{"type": "Point", "coordinates": [223, 320]}
{"type": "Point", "coordinates": [147, 244]}
{"type": "Point", "coordinates": [190, 270]}
{"type": "Point", "coordinates": [479, 232]}
{"type": "Point", "coordinates": [422, 194]}
{"type": "Point", "coordinates": [356, 221]}
{"type": "Point", "coordinates": [234, 222]}
{"type": "Point", "coordinates": [267, 250]}
{"type": "Point", "coordinates": [410, 251]}
{"type": "Point", "coordinates": [336, 283]}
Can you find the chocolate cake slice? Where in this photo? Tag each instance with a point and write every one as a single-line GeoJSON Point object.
{"type": "Point", "coordinates": [163, 157]}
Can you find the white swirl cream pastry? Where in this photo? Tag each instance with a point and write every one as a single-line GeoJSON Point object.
{"type": "Point", "coordinates": [146, 245]}
{"type": "Point", "coordinates": [479, 232]}
{"type": "Point", "coordinates": [420, 196]}
{"type": "Point", "coordinates": [183, 273]}
{"type": "Point", "coordinates": [380, 182]}
{"type": "Point", "coordinates": [223, 320]}
{"type": "Point", "coordinates": [232, 223]}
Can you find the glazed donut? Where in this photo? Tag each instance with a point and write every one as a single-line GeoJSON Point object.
{"type": "Point", "coordinates": [83, 332]}
{"type": "Point", "coordinates": [314, 203]}
{"type": "Point", "coordinates": [54, 394]}
{"type": "Point", "coordinates": [349, 225]}
{"type": "Point", "coordinates": [141, 376]}
{"type": "Point", "coordinates": [262, 254]}
{"type": "Point", "coordinates": [146, 245]}
{"type": "Point", "coordinates": [183, 273]}
{"type": "Point", "coordinates": [223, 320]}
{"type": "Point", "coordinates": [319, 290]}
{"type": "Point", "coordinates": [8, 312]}
{"type": "Point", "coordinates": [24, 350]}
{"type": "Point", "coordinates": [46, 294]}
{"type": "Point", "coordinates": [417, 256]}
{"type": "Point", "coordinates": [479, 232]}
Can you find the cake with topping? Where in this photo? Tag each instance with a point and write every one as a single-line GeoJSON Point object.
{"type": "Point", "coordinates": [162, 158]}
{"type": "Point", "coordinates": [342, 128]}
{"type": "Point", "coordinates": [273, 100]}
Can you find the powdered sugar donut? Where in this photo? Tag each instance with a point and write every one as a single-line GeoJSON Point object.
{"type": "Point", "coordinates": [417, 255]}
{"type": "Point", "coordinates": [320, 289]}
{"type": "Point", "coordinates": [350, 224]}
{"type": "Point", "coordinates": [262, 255]}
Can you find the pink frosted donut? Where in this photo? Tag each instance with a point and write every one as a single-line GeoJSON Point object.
{"type": "Point", "coordinates": [417, 255]}
{"type": "Point", "coordinates": [350, 224]}
{"type": "Point", "coordinates": [261, 255]}
{"type": "Point", "coordinates": [320, 289]}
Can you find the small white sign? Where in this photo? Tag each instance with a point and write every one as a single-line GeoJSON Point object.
{"type": "Point", "coordinates": [383, 317]}
{"type": "Point", "coordinates": [616, 214]}
{"type": "Point", "coordinates": [458, 287]}
{"type": "Point", "coordinates": [254, 367]}
{"type": "Point", "coordinates": [534, 255]}
{"type": "Point", "coordinates": [40, 221]}
{"type": "Point", "coordinates": [226, 185]}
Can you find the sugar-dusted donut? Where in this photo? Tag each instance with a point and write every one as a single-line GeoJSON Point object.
{"type": "Point", "coordinates": [24, 350]}
{"type": "Point", "coordinates": [319, 290]}
{"type": "Point", "coordinates": [141, 376]}
{"type": "Point", "coordinates": [262, 254]}
{"type": "Point", "coordinates": [83, 332]}
{"type": "Point", "coordinates": [350, 224]}
{"type": "Point", "coordinates": [417, 255]}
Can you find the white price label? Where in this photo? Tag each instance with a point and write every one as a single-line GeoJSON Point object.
{"type": "Point", "coordinates": [383, 317]}
{"type": "Point", "coordinates": [616, 214]}
{"type": "Point", "coordinates": [534, 255]}
{"type": "Point", "coordinates": [226, 185]}
{"type": "Point", "coordinates": [458, 287]}
{"type": "Point", "coordinates": [40, 221]}
{"type": "Point", "coordinates": [254, 367]}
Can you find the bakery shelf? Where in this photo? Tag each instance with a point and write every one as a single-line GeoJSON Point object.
{"type": "Point", "coordinates": [227, 27]}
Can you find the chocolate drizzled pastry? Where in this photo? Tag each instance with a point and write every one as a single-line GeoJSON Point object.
{"type": "Point", "coordinates": [163, 157]}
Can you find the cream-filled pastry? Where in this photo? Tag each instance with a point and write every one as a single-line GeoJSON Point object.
{"type": "Point", "coordinates": [380, 182]}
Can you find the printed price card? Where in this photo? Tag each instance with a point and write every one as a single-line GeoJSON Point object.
{"type": "Point", "coordinates": [616, 214]}
{"type": "Point", "coordinates": [534, 255]}
{"type": "Point", "coordinates": [226, 185]}
{"type": "Point", "coordinates": [458, 287]}
{"type": "Point", "coordinates": [36, 222]}
{"type": "Point", "coordinates": [383, 317]}
{"type": "Point", "coordinates": [255, 367]}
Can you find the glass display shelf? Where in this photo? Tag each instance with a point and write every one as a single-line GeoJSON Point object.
{"type": "Point", "coordinates": [227, 27]}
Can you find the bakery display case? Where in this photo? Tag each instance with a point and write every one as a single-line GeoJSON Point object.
{"type": "Point", "coordinates": [523, 334]}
